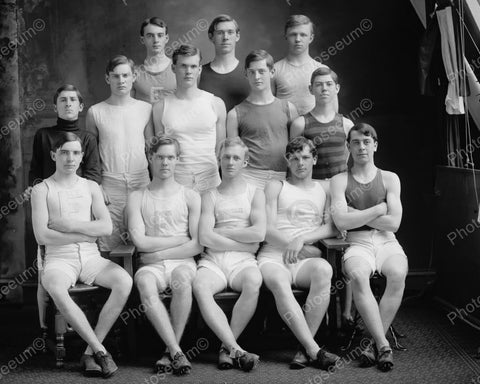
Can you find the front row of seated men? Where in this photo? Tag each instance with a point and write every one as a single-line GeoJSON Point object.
{"type": "Point", "coordinates": [170, 224]}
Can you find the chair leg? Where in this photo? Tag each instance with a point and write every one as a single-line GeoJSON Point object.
{"type": "Point", "coordinates": [396, 336]}
{"type": "Point", "coordinates": [60, 330]}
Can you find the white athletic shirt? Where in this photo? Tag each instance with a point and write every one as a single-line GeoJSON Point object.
{"type": "Point", "coordinates": [121, 140]}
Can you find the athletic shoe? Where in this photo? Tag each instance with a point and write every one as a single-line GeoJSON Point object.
{"type": "Point", "coordinates": [224, 359]}
{"type": "Point", "coordinates": [245, 361]}
{"type": "Point", "coordinates": [385, 358]}
{"type": "Point", "coordinates": [368, 357]}
{"type": "Point", "coordinates": [105, 361]}
{"type": "Point", "coordinates": [180, 364]}
{"type": "Point", "coordinates": [90, 367]}
{"type": "Point", "coordinates": [325, 359]}
{"type": "Point", "coordinates": [164, 364]}
{"type": "Point", "coordinates": [300, 360]}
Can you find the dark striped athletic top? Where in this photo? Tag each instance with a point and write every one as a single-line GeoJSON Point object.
{"type": "Point", "coordinates": [329, 139]}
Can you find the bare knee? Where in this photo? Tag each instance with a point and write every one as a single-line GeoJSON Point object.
{"type": "Point", "coordinates": [252, 282]}
{"type": "Point", "coordinates": [181, 281]}
{"type": "Point", "coordinates": [146, 285]}
{"type": "Point", "coordinates": [321, 272]}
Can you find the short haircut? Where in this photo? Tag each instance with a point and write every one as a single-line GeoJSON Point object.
{"type": "Point", "coordinates": [160, 141]}
{"type": "Point", "coordinates": [186, 50]}
{"type": "Point", "coordinates": [154, 21]}
{"type": "Point", "coordinates": [297, 144]}
{"type": "Point", "coordinates": [231, 142]}
{"type": "Point", "coordinates": [324, 71]}
{"type": "Point", "coordinates": [363, 128]}
{"type": "Point", "coordinates": [221, 19]}
{"type": "Point", "coordinates": [117, 60]}
{"type": "Point", "coordinates": [257, 55]}
{"type": "Point", "coordinates": [65, 137]}
{"type": "Point", "coordinates": [67, 87]}
{"type": "Point", "coordinates": [295, 20]}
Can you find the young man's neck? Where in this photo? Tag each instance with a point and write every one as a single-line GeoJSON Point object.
{"type": "Point", "coordinates": [158, 184]}
{"type": "Point", "coordinates": [261, 97]}
{"type": "Point", "coordinates": [119, 99]}
{"type": "Point", "coordinates": [324, 112]}
{"type": "Point", "coordinates": [157, 60]}
{"type": "Point", "coordinates": [224, 63]}
{"type": "Point", "coordinates": [365, 169]}
{"type": "Point", "coordinates": [298, 58]}
{"type": "Point", "coordinates": [187, 93]}
{"type": "Point", "coordinates": [65, 179]}
{"type": "Point", "coordinates": [232, 184]}
{"type": "Point", "coordinates": [305, 182]}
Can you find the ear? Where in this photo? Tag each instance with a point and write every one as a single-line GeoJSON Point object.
{"type": "Point", "coordinates": [237, 37]}
{"type": "Point", "coordinates": [173, 67]}
{"type": "Point", "coordinates": [80, 107]}
{"type": "Point", "coordinates": [272, 71]}
{"type": "Point", "coordinates": [142, 40]}
{"type": "Point", "coordinates": [337, 87]}
{"type": "Point", "coordinates": [53, 155]}
{"type": "Point", "coordinates": [315, 160]}
{"type": "Point", "coordinates": [310, 88]}
{"type": "Point", "coordinates": [107, 80]}
{"type": "Point", "coordinates": [167, 37]}
{"type": "Point", "coordinates": [375, 146]}
{"type": "Point", "coordinates": [245, 163]}
{"type": "Point", "coordinates": [55, 108]}
{"type": "Point", "coordinates": [312, 36]}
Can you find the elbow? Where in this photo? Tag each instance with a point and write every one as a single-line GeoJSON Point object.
{"type": "Point", "coordinates": [107, 230]}
{"type": "Point", "coordinates": [204, 240]}
{"type": "Point", "coordinates": [259, 235]}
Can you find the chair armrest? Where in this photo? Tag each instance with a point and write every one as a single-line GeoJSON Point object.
{"type": "Point", "coordinates": [334, 243]}
{"type": "Point", "coordinates": [125, 254]}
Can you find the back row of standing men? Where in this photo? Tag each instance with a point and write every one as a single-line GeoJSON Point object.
{"type": "Point", "coordinates": [197, 119]}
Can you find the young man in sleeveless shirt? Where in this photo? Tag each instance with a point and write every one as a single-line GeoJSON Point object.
{"type": "Point", "coordinates": [155, 78]}
{"type": "Point", "coordinates": [62, 209]}
{"type": "Point", "coordinates": [163, 224]}
{"type": "Point", "coordinates": [224, 75]}
{"type": "Point", "coordinates": [297, 217]}
{"type": "Point", "coordinates": [366, 203]}
{"type": "Point", "coordinates": [121, 125]}
{"type": "Point", "coordinates": [196, 119]}
{"type": "Point", "coordinates": [231, 227]}
{"type": "Point", "coordinates": [262, 121]}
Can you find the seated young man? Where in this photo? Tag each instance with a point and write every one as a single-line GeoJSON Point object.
{"type": "Point", "coordinates": [296, 218]}
{"type": "Point", "coordinates": [163, 224]}
{"type": "Point", "coordinates": [366, 202]}
{"type": "Point", "coordinates": [62, 210]}
{"type": "Point", "coordinates": [231, 226]}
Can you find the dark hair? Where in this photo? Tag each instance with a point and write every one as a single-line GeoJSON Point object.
{"type": "Point", "coordinates": [221, 19]}
{"type": "Point", "coordinates": [257, 55]}
{"type": "Point", "coordinates": [67, 87]}
{"type": "Point", "coordinates": [66, 137]}
{"type": "Point", "coordinates": [297, 144]}
{"type": "Point", "coordinates": [294, 20]}
{"type": "Point", "coordinates": [186, 50]}
{"type": "Point", "coordinates": [154, 21]}
{"type": "Point", "coordinates": [118, 60]}
{"type": "Point", "coordinates": [231, 142]}
{"type": "Point", "coordinates": [160, 141]}
{"type": "Point", "coordinates": [324, 71]}
{"type": "Point", "coordinates": [365, 129]}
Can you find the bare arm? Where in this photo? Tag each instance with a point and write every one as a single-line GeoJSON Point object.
{"type": "Point", "coordinates": [100, 226]}
{"type": "Point", "coordinates": [273, 235]}
{"type": "Point", "coordinates": [157, 117]}
{"type": "Point", "coordinates": [43, 234]}
{"type": "Point", "coordinates": [219, 106]}
{"type": "Point", "coordinates": [232, 123]}
{"type": "Point", "coordinates": [149, 131]}
{"type": "Point", "coordinates": [255, 233]}
{"type": "Point", "coordinates": [298, 127]}
{"type": "Point", "coordinates": [215, 241]}
{"type": "Point", "coordinates": [391, 220]}
{"type": "Point", "coordinates": [344, 218]}
{"type": "Point", "coordinates": [136, 228]}
{"type": "Point", "coordinates": [90, 124]}
{"type": "Point", "coordinates": [293, 112]}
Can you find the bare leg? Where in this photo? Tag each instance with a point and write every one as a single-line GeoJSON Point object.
{"type": "Point", "coordinates": [42, 300]}
{"type": "Point", "coordinates": [181, 304]}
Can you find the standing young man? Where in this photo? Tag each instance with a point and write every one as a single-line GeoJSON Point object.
{"type": "Point", "coordinates": [155, 78]}
{"type": "Point", "coordinates": [195, 118]}
{"type": "Point", "coordinates": [366, 203]}
{"type": "Point", "coordinates": [297, 217]}
{"type": "Point", "coordinates": [292, 73]}
{"type": "Point", "coordinates": [224, 75]}
{"type": "Point", "coordinates": [121, 125]}
{"type": "Point", "coordinates": [62, 210]}
{"type": "Point", "coordinates": [163, 224]}
{"type": "Point", "coordinates": [232, 225]}
{"type": "Point", "coordinates": [262, 121]}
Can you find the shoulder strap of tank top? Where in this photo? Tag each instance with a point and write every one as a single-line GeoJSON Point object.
{"type": "Point", "coordinates": [251, 190]}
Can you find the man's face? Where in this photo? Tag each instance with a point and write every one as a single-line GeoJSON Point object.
{"type": "Point", "coordinates": [299, 38]}
{"type": "Point", "coordinates": [121, 80]}
{"type": "Point", "coordinates": [154, 38]}
{"type": "Point", "coordinates": [225, 37]}
{"type": "Point", "coordinates": [361, 147]}
{"type": "Point", "coordinates": [68, 105]}
{"type": "Point", "coordinates": [232, 161]}
{"type": "Point", "coordinates": [301, 163]}
{"type": "Point", "coordinates": [187, 69]}
{"type": "Point", "coordinates": [164, 161]}
{"type": "Point", "coordinates": [68, 157]}
{"type": "Point", "coordinates": [324, 89]}
{"type": "Point", "coordinates": [259, 75]}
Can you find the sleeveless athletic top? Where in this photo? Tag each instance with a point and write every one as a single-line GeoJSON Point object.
{"type": "Point", "coordinates": [231, 87]}
{"type": "Point", "coordinates": [69, 203]}
{"type": "Point", "coordinates": [153, 86]}
{"type": "Point", "coordinates": [121, 140]}
{"type": "Point", "coordinates": [362, 196]}
{"type": "Point", "coordinates": [292, 82]}
{"type": "Point", "coordinates": [264, 130]}
{"type": "Point", "coordinates": [300, 210]}
{"type": "Point", "coordinates": [329, 139]}
{"type": "Point", "coordinates": [193, 124]}
{"type": "Point", "coordinates": [165, 216]}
